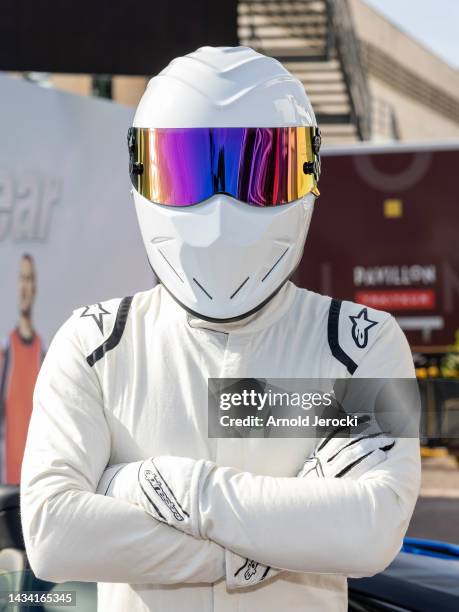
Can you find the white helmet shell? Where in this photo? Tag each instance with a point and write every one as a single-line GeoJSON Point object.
{"type": "Point", "coordinates": [223, 259]}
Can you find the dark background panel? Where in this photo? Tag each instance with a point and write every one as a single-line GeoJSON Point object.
{"type": "Point", "coordinates": [435, 518]}
{"type": "Point", "coordinates": [349, 228]}
{"type": "Point", "coordinates": [109, 36]}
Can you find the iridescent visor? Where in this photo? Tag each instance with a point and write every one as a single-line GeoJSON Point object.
{"type": "Point", "coordinates": [259, 166]}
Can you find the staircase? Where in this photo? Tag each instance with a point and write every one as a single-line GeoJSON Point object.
{"type": "Point", "coordinates": [316, 41]}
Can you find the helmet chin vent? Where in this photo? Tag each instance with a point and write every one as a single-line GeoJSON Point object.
{"type": "Point", "coordinates": [274, 265]}
{"type": "Point", "coordinates": [239, 288]}
{"type": "Point", "coordinates": [202, 289]}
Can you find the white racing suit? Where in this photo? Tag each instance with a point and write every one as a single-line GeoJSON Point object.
{"type": "Point", "coordinates": [126, 380]}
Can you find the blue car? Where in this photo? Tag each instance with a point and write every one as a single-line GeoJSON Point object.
{"type": "Point", "coordinates": [424, 577]}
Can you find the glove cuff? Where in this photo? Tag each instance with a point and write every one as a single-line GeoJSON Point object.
{"type": "Point", "coordinates": [120, 481]}
{"type": "Point", "coordinates": [183, 481]}
{"type": "Point", "coordinates": [242, 573]}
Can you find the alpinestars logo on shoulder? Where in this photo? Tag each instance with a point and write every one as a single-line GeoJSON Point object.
{"type": "Point", "coordinates": [361, 325]}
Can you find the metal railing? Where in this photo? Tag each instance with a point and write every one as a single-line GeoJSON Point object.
{"type": "Point", "coordinates": [347, 48]}
{"type": "Point", "coordinates": [315, 32]}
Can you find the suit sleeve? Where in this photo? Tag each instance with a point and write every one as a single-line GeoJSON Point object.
{"type": "Point", "coordinates": [342, 526]}
{"type": "Point", "coordinates": [70, 532]}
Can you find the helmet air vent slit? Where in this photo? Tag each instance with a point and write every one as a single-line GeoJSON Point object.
{"type": "Point", "coordinates": [170, 265]}
{"type": "Point", "coordinates": [202, 289]}
{"type": "Point", "coordinates": [275, 264]}
{"type": "Point", "coordinates": [239, 288]}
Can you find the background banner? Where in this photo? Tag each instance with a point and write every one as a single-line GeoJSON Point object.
{"type": "Point", "coordinates": [68, 232]}
{"type": "Point", "coordinates": [65, 199]}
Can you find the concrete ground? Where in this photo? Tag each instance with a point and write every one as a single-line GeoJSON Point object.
{"type": "Point", "coordinates": [436, 515]}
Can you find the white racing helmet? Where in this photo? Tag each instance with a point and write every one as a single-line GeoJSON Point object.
{"type": "Point", "coordinates": [224, 162]}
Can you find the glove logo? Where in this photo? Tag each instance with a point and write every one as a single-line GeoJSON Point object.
{"type": "Point", "coordinates": [251, 570]}
{"type": "Point", "coordinates": [158, 489]}
{"type": "Point", "coordinates": [361, 325]}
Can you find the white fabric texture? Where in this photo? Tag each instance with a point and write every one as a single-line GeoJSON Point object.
{"type": "Point", "coordinates": [334, 457]}
{"type": "Point", "coordinates": [147, 397]}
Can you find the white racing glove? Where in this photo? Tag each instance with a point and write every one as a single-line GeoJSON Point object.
{"type": "Point", "coordinates": [346, 458]}
{"type": "Point", "coordinates": [333, 458]}
{"type": "Point", "coordinates": [167, 488]}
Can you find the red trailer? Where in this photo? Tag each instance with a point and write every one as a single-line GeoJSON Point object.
{"type": "Point", "coordinates": [385, 233]}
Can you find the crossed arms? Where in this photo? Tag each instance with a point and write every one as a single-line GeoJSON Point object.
{"type": "Point", "coordinates": [75, 532]}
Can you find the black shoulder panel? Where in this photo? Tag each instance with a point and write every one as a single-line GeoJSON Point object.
{"type": "Point", "coordinates": [114, 338]}
{"type": "Point", "coordinates": [333, 340]}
